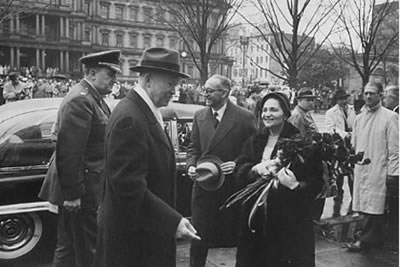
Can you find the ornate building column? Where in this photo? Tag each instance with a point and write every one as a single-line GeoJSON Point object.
{"type": "Point", "coordinates": [18, 57]}
{"type": "Point", "coordinates": [12, 24]}
{"type": "Point", "coordinates": [37, 58]}
{"type": "Point", "coordinates": [43, 24]}
{"type": "Point", "coordinates": [44, 61]}
{"type": "Point", "coordinates": [12, 58]}
{"type": "Point", "coordinates": [17, 23]}
{"type": "Point", "coordinates": [37, 25]}
{"type": "Point", "coordinates": [62, 34]}
{"type": "Point", "coordinates": [67, 27]}
{"type": "Point", "coordinates": [66, 61]}
{"type": "Point", "coordinates": [61, 61]}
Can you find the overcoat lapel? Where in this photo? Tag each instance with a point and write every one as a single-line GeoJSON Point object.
{"type": "Point", "coordinates": [226, 124]}
{"type": "Point", "coordinates": [155, 127]}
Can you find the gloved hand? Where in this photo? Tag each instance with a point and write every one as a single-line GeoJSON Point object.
{"type": "Point", "coordinates": [287, 178]}
{"type": "Point", "coordinates": [263, 168]}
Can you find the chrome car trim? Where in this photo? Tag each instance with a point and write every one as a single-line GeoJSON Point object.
{"type": "Point", "coordinates": [21, 178]}
{"type": "Point", "coordinates": [26, 208]}
{"type": "Point", "coordinates": [24, 168]}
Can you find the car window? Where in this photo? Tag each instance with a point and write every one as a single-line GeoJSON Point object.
{"type": "Point", "coordinates": [25, 139]}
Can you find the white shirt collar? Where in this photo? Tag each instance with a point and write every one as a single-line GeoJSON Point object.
{"type": "Point", "coordinates": [156, 111]}
{"type": "Point", "coordinates": [220, 112]}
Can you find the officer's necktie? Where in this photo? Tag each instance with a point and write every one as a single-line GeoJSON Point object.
{"type": "Point", "coordinates": [346, 126]}
{"type": "Point", "coordinates": [215, 120]}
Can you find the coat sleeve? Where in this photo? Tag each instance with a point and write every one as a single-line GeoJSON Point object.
{"type": "Point", "coordinates": [194, 148]}
{"type": "Point", "coordinates": [331, 124]}
{"type": "Point", "coordinates": [393, 145]}
{"type": "Point", "coordinates": [298, 121]}
{"type": "Point", "coordinates": [128, 166]}
{"type": "Point", "coordinates": [75, 120]}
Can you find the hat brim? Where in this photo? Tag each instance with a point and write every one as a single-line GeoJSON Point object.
{"type": "Point", "coordinates": [212, 186]}
{"type": "Point", "coordinates": [146, 68]}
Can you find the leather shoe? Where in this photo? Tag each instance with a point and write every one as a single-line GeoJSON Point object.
{"type": "Point", "coordinates": [357, 246]}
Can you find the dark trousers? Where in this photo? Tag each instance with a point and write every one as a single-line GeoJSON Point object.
{"type": "Point", "coordinates": [392, 209]}
{"type": "Point", "coordinates": [76, 238]}
{"type": "Point", "coordinates": [318, 208]}
{"type": "Point", "coordinates": [198, 253]}
{"type": "Point", "coordinates": [373, 229]}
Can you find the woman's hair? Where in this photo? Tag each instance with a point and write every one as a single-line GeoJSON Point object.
{"type": "Point", "coordinates": [281, 98]}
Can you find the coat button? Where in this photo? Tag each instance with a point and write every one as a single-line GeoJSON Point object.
{"type": "Point", "coordinates": [86, 170]}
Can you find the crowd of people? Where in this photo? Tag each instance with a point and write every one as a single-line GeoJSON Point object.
{"type": "Point", "coordinates": [112, 175]}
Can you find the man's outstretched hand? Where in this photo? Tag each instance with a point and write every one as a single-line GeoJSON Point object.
{"type": "Point", "coordinates": [186, 230]}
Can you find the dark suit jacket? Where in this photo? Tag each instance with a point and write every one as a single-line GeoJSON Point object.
{"type": "Point", "coordinates": [78, 168]}
{"type": "Point", "coordinates": [138, 222]}
{"type": "Point", "coordinates": [218, 228]}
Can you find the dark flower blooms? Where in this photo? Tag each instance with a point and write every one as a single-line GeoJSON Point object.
{"type": "Point", "coordinates": [330, 148]}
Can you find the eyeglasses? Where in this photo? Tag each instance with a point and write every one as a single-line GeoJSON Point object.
{"type": "Point", "coordinates": [211, 90]}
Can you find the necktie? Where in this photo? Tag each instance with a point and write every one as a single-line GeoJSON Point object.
{"type": "Point", "coordinates": [215, 120]}
{"type": "Point", "coordinates": [346, 126]}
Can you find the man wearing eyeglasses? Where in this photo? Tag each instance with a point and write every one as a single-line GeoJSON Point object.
{"type": "Point", "coordinates": [219, 130]}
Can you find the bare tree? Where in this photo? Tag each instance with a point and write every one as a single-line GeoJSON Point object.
{"type": "Point", "coordinates": [372, 34]}
{"type": "Point", "coordinates": [289, 28]}
{"type": "Point", "coordinates": [201, 24]}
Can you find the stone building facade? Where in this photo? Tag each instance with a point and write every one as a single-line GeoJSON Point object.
{"type": "Point", "coordinates": [56, 33]}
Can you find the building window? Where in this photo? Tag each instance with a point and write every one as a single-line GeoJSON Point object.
{"type": "Point", "coordinates": [133, 40]}
{"type": "Point", "coordinates": [104, 38]}
{"type": "Point", "coordinates": [147, 41]}
{"type": "Point", "coordinates": [133, 13]}
{"type": "Point", "coordinates": [160, 40]}
{"type": "Point", "coordinates": [172, 42]}
{"type": "Point", "coordinates": [190, 70]}
{"type": "Point", "coordinates": [72, 32]}
{"type": "Point", "coordinates": [147, 12]}
{"type": "Point", "coordinates": [87, 7]}
{"type": "Point", "coordinates": [119, 12]}
{"type": "Point", "coordinates": [104, 11]}
{"type": "Point", "coordinates": [87, 34]}
{"type": "Point", "coordinates": [120, 39]}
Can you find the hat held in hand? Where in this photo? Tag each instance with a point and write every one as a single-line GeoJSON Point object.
{"type": "Point", "coordinates": [210, 176]}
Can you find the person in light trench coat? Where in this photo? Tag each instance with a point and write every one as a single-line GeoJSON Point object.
{"type": "Point", "coordinates": [376, 133]}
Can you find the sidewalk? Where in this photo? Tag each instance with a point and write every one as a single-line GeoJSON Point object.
{"type": "Point", "coordinates": [328, 254]}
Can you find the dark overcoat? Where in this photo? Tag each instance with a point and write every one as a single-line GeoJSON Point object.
{"type": "Point", "coordinates": [218, 228]}
{"type": "Point", "coordinates": [77, 169]}
{"type": "Point", "coordinates": [138, 221]}
{"type": "Point", "coordinates": [284, 234]}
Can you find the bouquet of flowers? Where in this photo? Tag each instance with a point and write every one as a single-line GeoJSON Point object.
{"type": "Point", "coordinates": [330, 148]}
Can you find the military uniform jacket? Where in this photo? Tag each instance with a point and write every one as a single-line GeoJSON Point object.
{"type": "Point", "coordinates": [78, 167]}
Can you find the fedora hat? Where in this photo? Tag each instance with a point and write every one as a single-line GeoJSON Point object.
{"type": "Point", "coordinates": [210, 176]}
{"type": "Point", "coordinates": [108, 59]}
{"type": "Point", "coordinates": [305, 93]}
{"type": "Point", "coordinates": [160, 59]}
{"type": "Point", "coordinates": [340, 94]}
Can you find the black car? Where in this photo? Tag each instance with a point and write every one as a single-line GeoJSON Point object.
{"type": "Point", "coordinates": [26, 145]}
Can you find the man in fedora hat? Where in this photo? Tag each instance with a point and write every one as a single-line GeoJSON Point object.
{"type": "Point", "coordinates": [219, 130]}
{"type": "Point", "coordinates": [138, 224]}
{"type": "Point", "coordinates": [13, 89]}
{"type": "Point", "coordinates": [301, 117]}
{"type": "Point", "coordinates": [339, 119]}
{"type": "Point", "coordinates": [75, 177]}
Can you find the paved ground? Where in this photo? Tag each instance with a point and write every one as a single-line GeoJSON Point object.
{"type": "Point", "coordinates": [328, 254]}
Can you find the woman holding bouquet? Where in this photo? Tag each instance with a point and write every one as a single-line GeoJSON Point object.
{"type": "Point", "coordinates": [280, 232]}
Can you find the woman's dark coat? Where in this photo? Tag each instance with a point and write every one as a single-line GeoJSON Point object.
{"type": "Point", "coordinates": [284, 234]}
